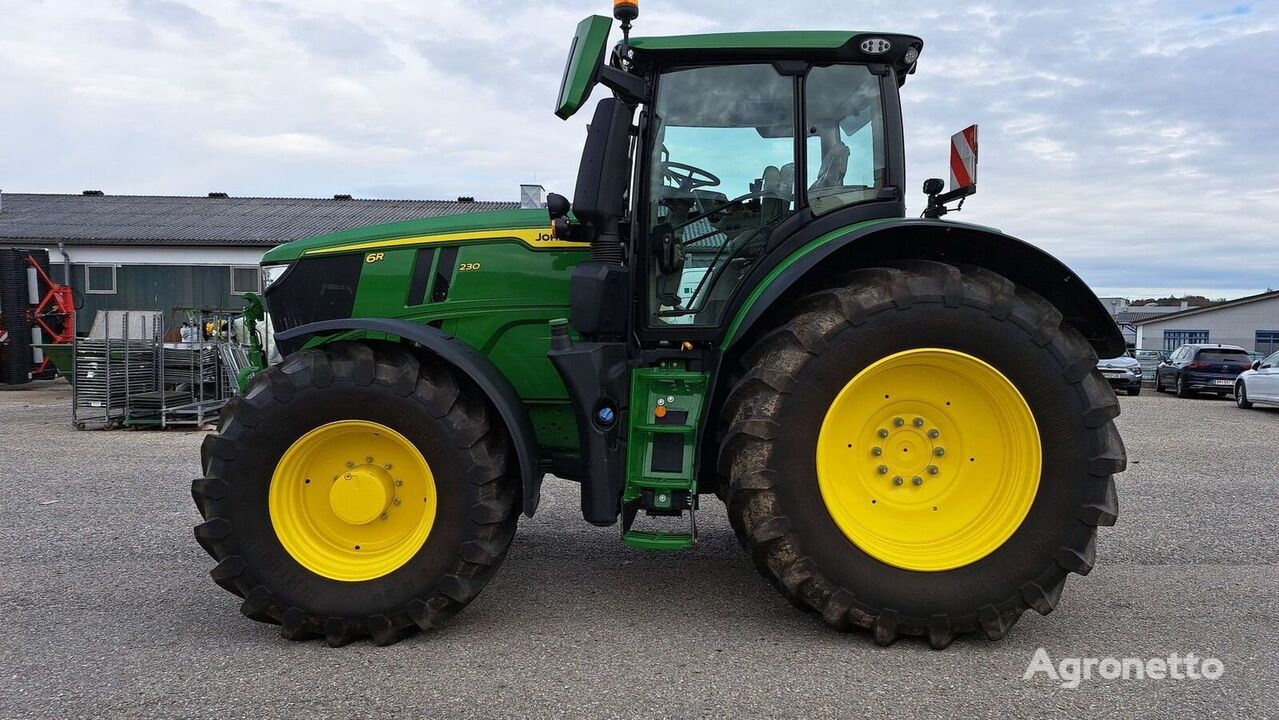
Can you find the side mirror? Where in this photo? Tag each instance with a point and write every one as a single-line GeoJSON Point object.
{"type": "Point", "coordinates": [1256, 364]}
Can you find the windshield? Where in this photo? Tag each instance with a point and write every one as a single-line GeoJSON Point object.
{"type": "Point", "coordinates": [1222, 356]}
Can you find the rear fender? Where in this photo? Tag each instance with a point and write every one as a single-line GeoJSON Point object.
{"type": "Point", "coordinates": [470, 362]}
{"type": "Point", "coordinates": [866, 244]}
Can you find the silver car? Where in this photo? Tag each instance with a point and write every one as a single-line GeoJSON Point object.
{"type": "Point", "coordinates": [1123, 373]}
{"type": "Point", "coordinates": [1260, 384]}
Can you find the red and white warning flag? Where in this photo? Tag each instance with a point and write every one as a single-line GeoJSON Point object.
{"type": "Point", "coordinates": [963, 158]}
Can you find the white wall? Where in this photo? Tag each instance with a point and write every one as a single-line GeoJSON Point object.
{"type": "Point", "coordinates": [159, 255]}
{"type": "Point", "coordinates": [1235, 325]}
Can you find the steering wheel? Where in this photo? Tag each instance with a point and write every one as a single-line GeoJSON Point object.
{"type": "Point", "coordinates": [688, 178]}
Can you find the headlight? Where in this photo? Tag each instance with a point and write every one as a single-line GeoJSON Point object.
{"type": "Point", "coordinates": [271, 273]}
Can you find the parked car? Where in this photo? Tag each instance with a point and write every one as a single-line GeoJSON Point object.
{"type": "Point", "coordinates": [1123, 373]}
{"type": "Point", "coordinates": [1149, 360]}
{"type": "Point", "coordinates": [1198, 368]}
{"type": "Point", "coordinates": [1260, 384]}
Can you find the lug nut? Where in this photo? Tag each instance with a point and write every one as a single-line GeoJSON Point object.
{"type": "Point", "coordinates": [934, 433]}
{"type": "Point", "coordinates": [385, 516]}
{"type": "Point", "coordinates": [883, 469]}
{"type": "Point", "coordinates": [348, 476]}
{"type": "Point", "coordinates": [917, 480]}
{"type": "Point", "coordinates": [350, 463]}
{"type": "Point", "coordinates": [877, 451]}
{"type": "Point", "coordinates": [918, 422]}
{"type": "Point", "coordinates": [396, 501]}
{"type": "Point", "coordinates": [883, 433]}
{"type": "Point", "coordinates": [387, 466]}
{"type": "Point", "coordinates": [398, 483]}
{"type": "Point", "coordinates": [897, 480]}
{"type": "Point", "coordinates": [368, 458]}
{"type": "Point", "coordinates": [898, 421]}
{"type": "Point", "coordinates": [932, 470]}
{"type": "Point", "coordinates": [939, 451]}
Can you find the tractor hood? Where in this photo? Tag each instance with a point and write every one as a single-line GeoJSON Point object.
{"type": "Point", "coordinates": [368, 237]}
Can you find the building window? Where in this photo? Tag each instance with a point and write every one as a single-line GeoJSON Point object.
{"type": "Point", "coordinates": [1267, 342]}
{"type": "Point", "coordinates": [1174, 339]}
{"type": "Point", "coordinates": [247, 279]}
{"type": "Point", "coordinates": [99, 279]}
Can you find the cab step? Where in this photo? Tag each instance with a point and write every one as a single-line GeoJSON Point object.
{"type": "Point", "coordinates": [651, 540]}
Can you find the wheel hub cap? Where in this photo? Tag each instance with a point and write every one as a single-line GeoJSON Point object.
{"type": "Point", "coordinates": [352, 500]}
{"type": "Point", "coordinates": [929, 459]}
{"type": "Point", "coordinates": [362, 495]}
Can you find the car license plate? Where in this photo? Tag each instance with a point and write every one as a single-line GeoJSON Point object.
{"type": "Point", "coordinates": [1112, 375]}
{"type": "Point", "coordinates": [1223, 382]}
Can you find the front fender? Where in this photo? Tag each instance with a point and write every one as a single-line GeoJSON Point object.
{"type": "Point", "coordinates": [864, 244]}
{"type": "Point", "coordinates": [470, 362]}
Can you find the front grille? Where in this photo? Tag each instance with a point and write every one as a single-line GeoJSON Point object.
{"type": "Point", "coordinates": [314, 289]}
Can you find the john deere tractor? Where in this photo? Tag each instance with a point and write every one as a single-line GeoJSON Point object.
{"type": "Point", "coordinates": [902, 416]}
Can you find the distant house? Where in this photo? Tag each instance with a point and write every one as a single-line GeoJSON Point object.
{"type": "Point", "coordinates": [1251, 322]}
{"type": "Point", "coordinates": [157, 253]}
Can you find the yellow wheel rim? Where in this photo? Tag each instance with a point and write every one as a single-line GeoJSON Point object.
{"type": "Point", "coordinates": [929, 459]}
{"type": "Point", "coordinates": [352, 500]}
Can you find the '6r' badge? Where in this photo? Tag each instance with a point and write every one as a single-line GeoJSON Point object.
{"type": "Point", "coordinates": [374, 257]}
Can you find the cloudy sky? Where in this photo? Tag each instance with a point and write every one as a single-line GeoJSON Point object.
{"type": "Point", "coordinates": [1135, 140]}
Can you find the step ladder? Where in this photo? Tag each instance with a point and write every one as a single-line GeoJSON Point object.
{"type": "Point", "coordinates": [665, 412]}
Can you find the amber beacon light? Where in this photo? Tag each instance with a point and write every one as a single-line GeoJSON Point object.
{"type": "Point", "coordinates": [625, 10]}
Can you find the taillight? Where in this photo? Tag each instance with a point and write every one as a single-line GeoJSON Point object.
{"type": "Point", "coordinates": [1198, 365]}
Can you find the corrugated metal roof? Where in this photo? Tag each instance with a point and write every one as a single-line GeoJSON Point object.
{"type": "Point", "coordinates": [167, 220]}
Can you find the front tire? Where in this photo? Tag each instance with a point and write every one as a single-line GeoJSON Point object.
{"type": "Point", "coordinates": [397, 537]}
{"type": "Point", "coordinates": [1241, 395]}
{"type": "Point", "coordinates": [777, 426]}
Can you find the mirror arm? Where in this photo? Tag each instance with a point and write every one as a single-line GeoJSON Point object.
{"type": "Point", "coordinates": [629, 89]}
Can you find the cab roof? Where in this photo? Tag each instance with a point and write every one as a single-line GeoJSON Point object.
{"type": "Point", "coordinates": [813, 45]}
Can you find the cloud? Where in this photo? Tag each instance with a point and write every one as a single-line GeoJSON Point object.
{"type": "Point", "coordinates": [1133, 140]}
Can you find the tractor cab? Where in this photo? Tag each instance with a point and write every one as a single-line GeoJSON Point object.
{"type": "Point", "coordinates": [714, 147]}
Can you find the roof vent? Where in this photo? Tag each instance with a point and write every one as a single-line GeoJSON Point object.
{"type": "Point", "coordinates": [93, 193]}
{"type": "Point", "coordinates": [219, 195]}
{"type": "Point", "coordinates": [341, 196]}
{"type": "Point", "coordinates": [531, 196]}
{"type": "Point", "coordinates": [466, 199]}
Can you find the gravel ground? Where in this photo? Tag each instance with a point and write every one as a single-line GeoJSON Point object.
{"type": "Point", "coordinates": [109, 610]}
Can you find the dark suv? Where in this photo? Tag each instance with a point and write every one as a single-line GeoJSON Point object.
{"type": "Point", "coordinates": [1201, 368]}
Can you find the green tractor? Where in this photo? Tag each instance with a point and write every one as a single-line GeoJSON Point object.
{"type": "Point", "coordinates": [902, 416]}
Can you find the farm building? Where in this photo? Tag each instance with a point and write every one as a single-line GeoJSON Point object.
{"type": "Point", "coordinates": [158, 253]}
{"type": "Point", "coordinates": [1251, 322]}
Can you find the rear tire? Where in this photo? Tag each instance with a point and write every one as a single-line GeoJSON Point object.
{"type": "Point", "coordinates": [475, 495]}
{"type": "Point", "coordinates": [789, 378]}
{"type": "Point", "coordinates": [1182, 390]}
{"type": "Point", "coordinates": [1241, 395]}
